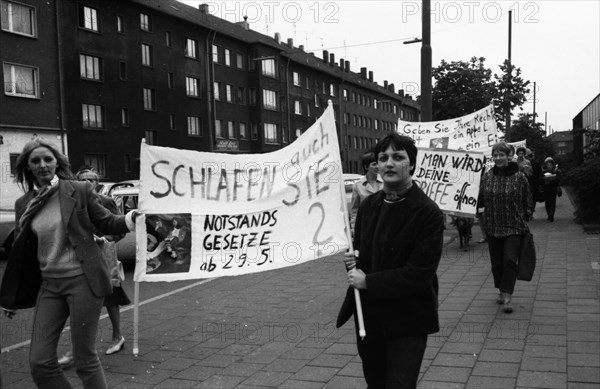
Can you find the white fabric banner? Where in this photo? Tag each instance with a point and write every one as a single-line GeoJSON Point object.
{"type": "Point", "coordinates": [210, 215]}
{"type": "Point", "coordinates": [470, 132]}
{"type": "Point", "coordinates": [450, 178]}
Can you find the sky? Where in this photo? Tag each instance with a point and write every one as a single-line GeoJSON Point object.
{"type": "Point", "coordinates": [555, 43]}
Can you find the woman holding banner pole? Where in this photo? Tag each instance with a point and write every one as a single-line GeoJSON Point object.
{"type": "Point", "coordinates": [399, 237]}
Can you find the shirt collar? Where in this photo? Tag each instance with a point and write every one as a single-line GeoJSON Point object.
{"type": "Point", "coordinates": [53, 183]}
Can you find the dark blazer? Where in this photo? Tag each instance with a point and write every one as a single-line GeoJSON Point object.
{"type": "Point", "coordinates": [81, 211]}
{"type": "Point", "coordinates": [403, 296]}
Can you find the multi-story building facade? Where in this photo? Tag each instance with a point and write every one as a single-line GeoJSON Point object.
{"type": "Point", "coordinates": [563, 142]}
{"type": "Point", "coordinates": [587, 119]}
{"type": "Point", "coordinates": [99, 76]}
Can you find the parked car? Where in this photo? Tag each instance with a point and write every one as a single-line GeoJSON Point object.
{"type": "Point", "coordinates": [126, 198]}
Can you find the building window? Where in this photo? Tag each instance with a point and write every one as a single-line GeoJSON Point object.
{"type": "Point", "coordinates": [150, 137]}
{"type": "Point", "coordinates": [191, 86]}
{"type": "Point", "coordinates": [98, 161]}
{"type": "Point", "coordinates": [297, 108]}
{"type": "Point", "coordinates": [252, 96]}
{"type": "Point", "coordinates": [149, 99]}
{"type": "Point", "coordinates": [172, 122]}
{"type": "Point", "coordinates": [254, 131]}
{"type": "Point", "coordinates": [168, 40]}
{"type": "Point", "coordinates": [123, 71]}
{"type": "Point", "coordinates": [307, 83]}
{"type": "Point", "coordinates": [92, 116]}
{"type": "Point", "coordinates": [307, 109]}
{"type": "Point", "coordinates": [21, 81]}
{"type": "Point", "coordinates": [170, 80]}
{"type": "Point", "coordinates": [269, 99]}
{"type": "Point", "coordinates": [120, 25]}
{"type": "Point", "coordinates": [146, 55]}
{"type": "Point", "coordinates": [316, 101]}
{"type": "Point", "coordinates": [231, 130]}
{"type": "Point", "coordinates": [219, 128]}
{"type": "Point", "coordinates": [345, 94]}
{"type": "Point", "coordinates": [241, 95]}
{"type": "Point", "coordinates": [243, 133]}
{"type": "Point", "coordinates": [332, 90]}
{"type": "Point", "coordinates": [227, 57]}
{"type": "Point", "coordinates": [18, 18]}
{"type": "Point", "coordinates": [88, 18]}
{"type": "Point", "coordinates": [229, 93]}
{"type": "Point", "coordinates": [239, 61]}
{"type": "Point", "coordinates": [193, 125]}
{"type": "Point", "coordinates": [215, 53]}
{"type": "Point", "coordinates": [284, 135]}
{"type": "Point", "coordinates": [217, 92]}
{"type": "Point", "coordinates": [296, 78]}
{"type": "Point", "coordinates": [191, 48]}
{"type": "Point", "coordinates": [270, 133]}
{"type": "Point", "coordinates": [90, 67]}
{"type": "Point", "coordinates": [268, 67]}
{"type": "Point", "coordinates": [124, 117]}
{"type": "Point", "coordinates": [145, 22]}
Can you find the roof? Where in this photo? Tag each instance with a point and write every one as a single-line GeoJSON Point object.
{"type": "Point", "coordinates": [196, 16]}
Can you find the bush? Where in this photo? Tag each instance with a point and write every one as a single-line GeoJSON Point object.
{"type": "Point", "coordinates": [585, 179]}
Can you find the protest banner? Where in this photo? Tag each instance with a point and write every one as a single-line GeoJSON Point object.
{"type": "Point", "coordinates": [470, 132]}
{"type": "Point", "coordinates": [208, 215]}
{"type": "Point", "coordinates": [450, 178]}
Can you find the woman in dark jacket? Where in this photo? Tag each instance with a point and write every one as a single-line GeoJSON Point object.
{"type": "Point", "coordinates": [55, 263]}
{"type": "Point", "coordinates": [551, 186]}
{"type": "Point", "coordinates": [505, 196]}
{"type": "Point", "coordinates": [399, 235]}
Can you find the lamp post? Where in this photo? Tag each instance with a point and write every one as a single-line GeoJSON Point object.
{"type": "Point", "coordinates": [425, 61]}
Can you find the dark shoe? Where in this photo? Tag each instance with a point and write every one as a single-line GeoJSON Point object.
{"type": "Point", "coordinates": [500, 299]}
{"type": "Point", "coordinates": [507, 308]}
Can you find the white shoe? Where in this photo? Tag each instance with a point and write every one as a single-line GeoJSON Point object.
{"type": "Point", "coordinates": [116, 347]}
{"type": "Point", "coordinates": [66, 360]}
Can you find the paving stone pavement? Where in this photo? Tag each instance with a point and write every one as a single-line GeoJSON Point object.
{"type": "Point", "coordinates": [277, 329]}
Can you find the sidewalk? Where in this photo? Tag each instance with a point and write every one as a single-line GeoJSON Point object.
{"type": "Point", "coordinates": [277, 329]}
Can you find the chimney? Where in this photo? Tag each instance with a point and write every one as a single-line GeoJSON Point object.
{"type": "Point", "coordinates": [385, 84]}
{"type": "Point", "coordinates": [347, 66]}
{"type": "Point", "coordinates": [363, 73]}
{"type": "Point", "coordinates": [371, 75]}
{"type": "Point", "coordinates": [203, 8]}
{"type": "Point", "coordinates": [332, 59]}
{"type": "Point", "coordinates": [290, 42]}
{"type": "Point", "coordinates": [245, 25]}
{"type": "Point", "coordinates": [277, 37]}
{"type": "Point", "coordinates": [325, 56]}
{"type": "Point", "coordinates": [301, 47]}
{"type": "Point", "coordinates": [392, 88]}
{"type": "Point", "coordinates": [401, 92]}
{"type": "Point", "coordinates": [341, 63]}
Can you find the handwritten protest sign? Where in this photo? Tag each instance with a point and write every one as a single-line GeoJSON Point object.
{"type": "Point", "coordinates": [210, 214]}
{"type": "Point", "coordinates": [470, 132]}
{"type": "Point", "coordinates": [450, 178]}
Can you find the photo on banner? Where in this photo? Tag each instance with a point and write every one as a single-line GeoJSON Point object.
{"type": "Point", "coordinates": [208, 215]}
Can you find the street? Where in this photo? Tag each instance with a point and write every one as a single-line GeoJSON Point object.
{"type": "Point", "coordinates": [276, 329]}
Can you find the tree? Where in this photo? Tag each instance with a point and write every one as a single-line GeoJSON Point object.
{"type": "Point", "coordinates": [463, 87]}
{"type": "Point", "coordinates": [512, 90]}
{"type": "Point", "coordinates": [535, 135]}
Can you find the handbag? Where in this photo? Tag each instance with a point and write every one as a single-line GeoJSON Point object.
{"type": "Point", "coordinates": [527, 258]}
{"type": "Point", "coordinates": [114, 266]}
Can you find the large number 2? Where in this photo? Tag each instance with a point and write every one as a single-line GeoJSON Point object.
{"type": "Point", "coordinates": [315, 237]}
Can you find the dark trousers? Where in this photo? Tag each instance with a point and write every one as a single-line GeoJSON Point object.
{"type": "Point", "coordinates": [390, 363]}
{"type": "Point", "coordinates": [504, 254]}
{"type": "Point", "coordinates": [59, 299]}
{"type": "Point", "coordinates": [550, 202]}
